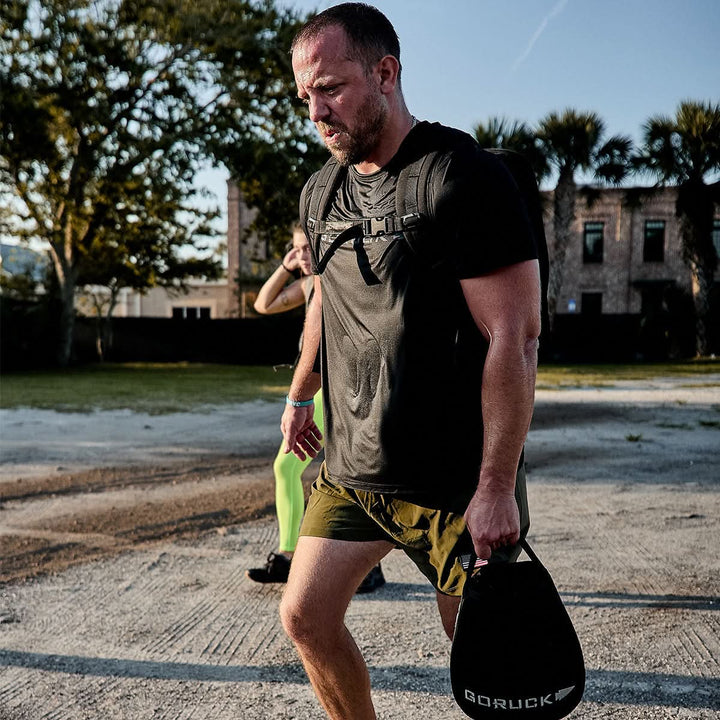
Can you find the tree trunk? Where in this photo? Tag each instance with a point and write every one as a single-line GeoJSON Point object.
{"type": "Point", "coordinates": [701, 294]}
{"type": "Point", "coordinates": [563, 218]}
{"type": "Point", "coordinates": [696, 210]}
{"type": "Point", "coordinates": [67, 322]}
{"type": "Point", "coordinates": [107, 329]}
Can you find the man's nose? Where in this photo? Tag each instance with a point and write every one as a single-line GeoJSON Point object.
{"type": "Point", "coordinates": [319, 110]}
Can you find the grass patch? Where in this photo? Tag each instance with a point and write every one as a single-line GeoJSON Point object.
{"type": "Point", "coordinates": [555, 377]}
{"type": "Point", "coordinates": [176, 387]}
{"type": "Point", "coordinates": [142, 387]}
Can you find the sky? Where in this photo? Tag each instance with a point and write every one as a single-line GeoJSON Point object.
{"type": "Point", "coordinates": [465, 61]}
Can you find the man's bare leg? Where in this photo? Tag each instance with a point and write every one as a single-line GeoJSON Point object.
{"type": "Point", "coordinates": [448, 606]}
{"type": "Point", "coordinates": [323, 578]}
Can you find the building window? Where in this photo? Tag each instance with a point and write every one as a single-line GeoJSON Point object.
{"type": "Point", "coordinates": [716, 237]}
{"type": "Point", "coordinates": [591, 303]}
{"type": "Point", "coordinates": [191, 313]}
{"type": "Point", "coordinates": [654, 245]}
{"type": "Point", "coordinates": [593, 242]}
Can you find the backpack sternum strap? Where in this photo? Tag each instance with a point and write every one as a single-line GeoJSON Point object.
{"type": "Point", "coordinates": [389, 224]}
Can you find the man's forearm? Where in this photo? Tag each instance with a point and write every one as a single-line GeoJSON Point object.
{"type": "Point", "coordinates": [507, 401]}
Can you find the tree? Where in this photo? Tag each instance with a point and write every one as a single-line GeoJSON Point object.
{"type": "Point", "coordinates": [260, 128]}
{"type": "Point", "coordinates": [572, 142]}
{"type": "Point", "coordinates": [513, 135]}
{"type": "Point", "coordinates": [685, 150]}
{"type": "Point", "coordinates": [108, 108]}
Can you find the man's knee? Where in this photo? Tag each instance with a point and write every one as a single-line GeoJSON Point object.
{"type": "Point", "coordinates": [301, 622]}
{"type": "Point", "coordinates": [294, 620]}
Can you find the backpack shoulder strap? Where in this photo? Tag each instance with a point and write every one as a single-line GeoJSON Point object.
{"type": "Point", "coordinates": [411, 198]}
{"type": "Point", "coordinates": [411, 191]}
{"type": "Point", "coordinates": [327, 180]}
{"type": "Point", "coordinates": [316, 208]}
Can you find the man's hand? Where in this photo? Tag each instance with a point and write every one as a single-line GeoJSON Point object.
{"type": "Point", "coordinates": [493, 520]}
{"type": "Point", "coordinates": [302, 436]}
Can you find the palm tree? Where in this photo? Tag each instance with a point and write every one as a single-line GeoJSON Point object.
{"type": "Point", "coordinates": [572, 142]}
{"type": "Point", "coordinates": [685, 150]}
{"type": "Point", "coordinates": [513, 135]}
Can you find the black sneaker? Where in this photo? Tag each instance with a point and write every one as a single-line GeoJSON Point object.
{"type": "Point", "coordinates": [276, 570]}
{"type": "Point", "coordinates": [373, 580]}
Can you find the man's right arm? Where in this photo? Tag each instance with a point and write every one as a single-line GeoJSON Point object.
{"type": "Point", "coordinates": [302, 435]}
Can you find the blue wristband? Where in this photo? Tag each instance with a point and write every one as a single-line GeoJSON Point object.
{"type": "Point", "coordinates": [299, 403]}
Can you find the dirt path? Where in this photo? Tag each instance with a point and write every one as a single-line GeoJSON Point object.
{"type": "Point", "coordinates": [124, 593]}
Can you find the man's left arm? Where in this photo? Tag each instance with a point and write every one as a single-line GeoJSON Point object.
{"type": "Point", "coordinates": [506, 307]}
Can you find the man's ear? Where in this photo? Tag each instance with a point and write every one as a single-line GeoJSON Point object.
{"type": "Point", "coordinates": [387, 70]}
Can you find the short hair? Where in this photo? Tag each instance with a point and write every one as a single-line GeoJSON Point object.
{"type": "Point", "coordinates": [370, 34]}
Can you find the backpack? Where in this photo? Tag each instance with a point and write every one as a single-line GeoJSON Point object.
{"type": "Point", "coordinates": [412, 214]}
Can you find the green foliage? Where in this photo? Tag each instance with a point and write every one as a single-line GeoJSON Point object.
{"type": "Point", "coordinates": [513, 135]}
{"type": "Point", "coordinates": [142, 387]}
{"type": "Point", "coordinates": [573, 141]}
{"type": "Point", "coordinates": [107, 110]}
{"type": "Point", "coordinates": [685, 150]}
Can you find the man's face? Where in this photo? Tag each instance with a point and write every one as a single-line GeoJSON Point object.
{"type": "Point", "coordinates": [345, 103]}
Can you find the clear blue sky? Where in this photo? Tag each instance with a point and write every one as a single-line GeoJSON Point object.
{"type": "Point", "coordinates": [465, 61]}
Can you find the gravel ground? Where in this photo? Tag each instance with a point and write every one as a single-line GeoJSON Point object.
{"type": "Point", "coordinates": [165, 625]}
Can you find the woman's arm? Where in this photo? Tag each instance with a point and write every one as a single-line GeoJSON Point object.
{"type": "Point", "coordinates": [275, 295]}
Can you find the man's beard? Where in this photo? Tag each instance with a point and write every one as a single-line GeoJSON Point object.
{"type": "Point", "coordinates": [357, 145]}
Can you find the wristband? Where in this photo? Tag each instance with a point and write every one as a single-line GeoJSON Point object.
{"type": "Point", "coordinates": [299, 403]}
{"type": "Point", "coordinates": [286, 269]}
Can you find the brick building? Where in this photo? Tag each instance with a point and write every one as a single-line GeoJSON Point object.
{"type": "Point", "coordinates": [625, 254]}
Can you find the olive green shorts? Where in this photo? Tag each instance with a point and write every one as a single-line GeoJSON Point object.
{"type": "Point", "coordinates": [434, 539]}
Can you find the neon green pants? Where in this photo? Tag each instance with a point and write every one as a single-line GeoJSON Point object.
{"type": "Point", "coordinates": [289, 495]}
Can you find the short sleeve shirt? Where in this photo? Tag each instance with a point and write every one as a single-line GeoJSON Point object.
{"type": "Point", "coordinates": [402, 359]}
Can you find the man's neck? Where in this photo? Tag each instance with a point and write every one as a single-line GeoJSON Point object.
{"type": "Point", "coordinates": [393, 135]}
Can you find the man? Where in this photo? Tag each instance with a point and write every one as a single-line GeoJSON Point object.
{"type": "Point", "coordinates": [427, 366]}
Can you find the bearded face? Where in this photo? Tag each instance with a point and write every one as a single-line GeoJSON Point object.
{"type": "Point", "coordinates": [347, 101]}
{"type": "Point", "coordinates": [351, 143]}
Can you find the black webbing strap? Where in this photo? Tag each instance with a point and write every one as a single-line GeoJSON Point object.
{"type": "Point", "coordinates": [411, 191]}
{"type": "Point", "coordinates": [410, 204]}
{"type": "Point", "coordinates": [352, 232]}
{"type": "Point", "coordinates": [329, 177]}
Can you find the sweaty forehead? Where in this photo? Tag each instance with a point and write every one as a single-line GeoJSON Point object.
{"type": "Point", "coordinates": [322, 55]}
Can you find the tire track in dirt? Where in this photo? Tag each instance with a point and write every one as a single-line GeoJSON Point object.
{"type": "Point", "coordinates": [642, 590]}
{"type": "Point", "coordinates": [47, 532]}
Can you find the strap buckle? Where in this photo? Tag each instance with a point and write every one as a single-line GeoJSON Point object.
{"type": "Point", "coordinates": [376, 226]}
{"type": "Point", "coordinates": [389, 224]}
{"type": "Point", "coordinates": [381, 225]}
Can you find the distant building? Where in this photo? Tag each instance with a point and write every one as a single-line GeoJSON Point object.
{"type": "Point", "coordinates": [625, 256]}
{"type": "Point", "coordinates": [203, 300]}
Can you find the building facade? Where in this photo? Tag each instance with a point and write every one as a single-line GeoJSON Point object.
{"type": "Point", "coordinates": [624, 254]}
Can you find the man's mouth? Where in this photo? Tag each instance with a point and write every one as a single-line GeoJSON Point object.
{"type": "Point", "coordinates": [330, 134]}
